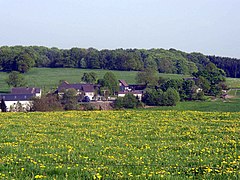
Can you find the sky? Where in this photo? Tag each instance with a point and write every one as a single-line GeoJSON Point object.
{"type": "Point", "coordinates": [211, 27]}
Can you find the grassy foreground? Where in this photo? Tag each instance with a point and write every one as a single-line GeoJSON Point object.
{"type": "Point", "coordinates": [120, 145]}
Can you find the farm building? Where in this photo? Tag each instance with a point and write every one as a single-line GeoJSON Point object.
{"type": "Point", "coordinates": [85, 89]}
{"type": "Point", "coordinates": [20, 97]}
{"type": "Point", "coordinates": [13, 100]}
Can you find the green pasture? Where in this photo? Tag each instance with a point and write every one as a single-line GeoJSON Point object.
{"type": "Point", "coordinates": [48, 78]}
{"type": "Point", "coordinates": [219, 105]}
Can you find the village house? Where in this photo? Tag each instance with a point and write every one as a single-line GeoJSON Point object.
{"type": "Point", "coordinates": [84, 89]}
{"type": "Point", "coordinates": [123, 86]}
{"type": "Point", "coordinates": [20, 96]}
{"type": "Point", "coordinates": [136, 90]}
{"type": "Point", "coordinates": [13, 100]}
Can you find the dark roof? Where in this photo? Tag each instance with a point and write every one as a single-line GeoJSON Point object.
{"type": "Point", "coordinates": [16, 97]}
{"type": "Point", "coordinates": [137, 86]}
{"type": "Point", "coordinates": [27, 90]}
{"type": "Point", "coordinates": [78, 87]}
{"type": "Point", "coordinates": [88, 88]}
{"type": "Point", "coordinates": [123, 82]}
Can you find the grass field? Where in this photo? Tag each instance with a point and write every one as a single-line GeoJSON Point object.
{"type": "Point", "coordinates": [233, 82]}
{"type": "Point", "coordinates": [219, 105]}
{"type": "Point", "coordinates": [48, 78]}
{"type": "Point", "coordinates": [120, 145]}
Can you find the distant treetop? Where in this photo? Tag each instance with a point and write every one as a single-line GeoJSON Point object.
{"type": "Point", "coordinates": [21, 58]}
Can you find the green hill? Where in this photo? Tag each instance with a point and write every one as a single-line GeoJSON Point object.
{"type": "Point", "coordinates": [48, 78]}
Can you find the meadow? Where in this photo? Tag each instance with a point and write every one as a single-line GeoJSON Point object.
{"type": "Point", "coordinates": [48, 78]}
{"type": "Point", "coordinates": [218, 105]}
{"type": "Point", "coordinates": [120, 145]}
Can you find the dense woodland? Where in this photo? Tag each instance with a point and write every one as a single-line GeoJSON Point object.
{"type": "Point", "coordinates": [20, 58]}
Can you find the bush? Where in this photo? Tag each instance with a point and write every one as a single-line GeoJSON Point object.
{"type": "Point", "coordinates": [88, 107]}
{"type": "Point", "coordinates": [156, 97]}
{"type": "Point", "coordinates": [128, 101]}
{"type": "Point", "coordinates": [170, 97]}
{"type": "Point", "coordinates": [153, 97]}
{"type": "Point", "coordinates": [47, 103]}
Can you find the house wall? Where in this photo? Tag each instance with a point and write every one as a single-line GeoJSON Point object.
{"type": "Point", "coordinates": [136, 95]}
{"type": "Point", "coordinates": [90, 95]}
{"type": "Point", "coordinates": [25, 104]}
{"type": "Point", "coordinates": [39, 94]}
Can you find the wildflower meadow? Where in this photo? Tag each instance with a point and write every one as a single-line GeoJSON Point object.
{"type": "Point", "coordinates": [120, 145]}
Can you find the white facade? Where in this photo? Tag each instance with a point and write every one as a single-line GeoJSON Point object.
{"type": "Point", "coordinates": [39, 94]}
{"type": "Point", "coordinates": [139, 95]}
{"type": "Point", "coordinates": [12, 105]}
{"type": "Point", "coordinates": [90, 95]}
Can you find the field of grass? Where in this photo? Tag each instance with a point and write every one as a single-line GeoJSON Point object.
{"type": "Point", "coordinates": [120, 145]}
{"type": "Point", "coordinates": [48, 78]}
{"type": "Point", "coordinates": [219, 105]}
{"type": "Point", "coordinates": [233, 82]}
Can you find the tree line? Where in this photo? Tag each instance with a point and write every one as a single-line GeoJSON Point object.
{"type": "Point", "coordinates": [231, 66]}
{"type": "Point", "coordinates": [22, 58]}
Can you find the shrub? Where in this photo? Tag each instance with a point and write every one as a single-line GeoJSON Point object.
{"type": "Point", "coordinates": [170, 97]}
{"type": "Point", "coordinates": [47, 103]}
{"type": "Point", "coordinates": [128, 101]}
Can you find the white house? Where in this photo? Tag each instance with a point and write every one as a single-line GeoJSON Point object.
{"type": "Point", "coordinates": [85, 89]}
{"type": "Point", "coordinates": [20, 97]}
{"type": "Point", "coordinates": [138, 94]}
{"type": "Point", "coordinates": [13, 101]}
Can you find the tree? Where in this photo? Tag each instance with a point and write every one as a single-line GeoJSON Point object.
{"type": "Point", "coordinates": [16, 79]}
{"type": "Point", "coordinates": [203, 83]}
{"type": "Point", "coordinates": [69, 99]}
{"type": "Point", "coordinates": [128, 101]}
{"type": "Point", "coordinates": [24, 62]}
{"type": "Point", "coordinates": [3, 106]}
{"type": "Point", "coordinates": [187, 90]}
{"type": "Point", "coordinates": [172, 83]}
{"type": "Point", "coordinates": [46, 103]}
{"type": "Point", "coordinates": [110, 81]}
{"type": "Point", "coordinates": [89, 77]}
{"type": "Point", "coordinates": [214, 76]}
{"type": "Point", "coordinates": [153, 97]}
{"type": "Point", "coordinates": [165, 65]}
{"type": "Point", "coordinates": [18, 107]}
{"type": "Point", "coordinates": [148, 77]}
{"type": "Point", "coordinates": [170, 97]}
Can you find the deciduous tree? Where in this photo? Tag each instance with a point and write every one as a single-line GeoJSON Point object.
{"type": "Point", "coordinates": [16, 79]}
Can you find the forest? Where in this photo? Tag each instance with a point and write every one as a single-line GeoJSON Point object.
{"type": "Point", "coordinates": [22, 58]}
